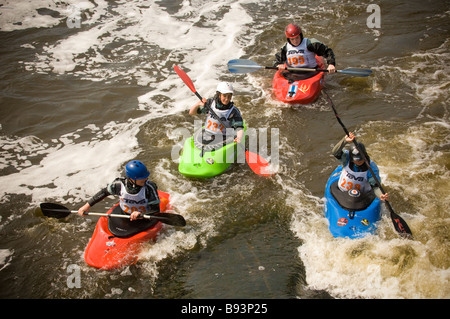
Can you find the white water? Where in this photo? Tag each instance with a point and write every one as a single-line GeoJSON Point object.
{"type": "Point", "coordinates": [70, 168]}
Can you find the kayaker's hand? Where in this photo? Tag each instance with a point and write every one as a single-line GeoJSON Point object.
{"type": "Point", "coordinates": [84, 209]}
{"type": "Point", "coordinates": [239, 135]}
{"type": "Point", "coordinates": [350, 137]}
{"type": "Point", "coordinates": [384, 197]}
{"type": "Point", "coordinates": [331, 68]}
{"type": "Point", "coordinates": [194, 108]}
{"type": "Point", "coordinates": [281, 67]}
{"type": "Point", "coordinates": [135, 215]}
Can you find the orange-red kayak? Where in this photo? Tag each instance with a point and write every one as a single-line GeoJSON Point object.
{"type": "Point", "coordinates": [294, 90]}
{"type": "Point", "coordinates": [107, 251]}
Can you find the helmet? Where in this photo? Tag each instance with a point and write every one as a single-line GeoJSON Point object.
{"type": "Point", "coordinates": [292, 31]}
{"type": "Point", "coordinates": [136, 170]}
{"type": "Point", "coordinates": [224, 87]}
{"type": "Point", "coordinates": [356, 155]}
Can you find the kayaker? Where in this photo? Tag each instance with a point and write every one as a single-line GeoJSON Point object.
{"type": "Point", "coordinates": [138, 195]}
{"type": "Point", "coordinates": [300, 52]}
{"type": "Point", "coordinates": [224, 108]}
{"type": "Point", "coordinates": [355, 173]}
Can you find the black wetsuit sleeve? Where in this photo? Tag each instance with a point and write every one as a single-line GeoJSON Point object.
{"type": "Point", "coordinates": [153, 198]}
{"type": "Point", "coordinates": [280, 57]}
{"type": "Point", "coordinates": [236, 120]}
{"type": "Point", "coordinates": [102, 194]}
{"type": "Point", "coordinates": [205, 109]}
{"type": "Point", "coordinates": [322, 50]}
{"type": "Point", "coordinates": [111, 189]}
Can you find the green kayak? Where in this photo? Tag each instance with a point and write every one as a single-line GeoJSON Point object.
{"type": "Point", "coordinates": [206, 156]}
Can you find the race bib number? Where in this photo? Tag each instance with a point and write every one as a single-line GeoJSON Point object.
{"type": "Point", "coordinates": [296, 60]}
{"type": "Point", "coordinates": [214, 126]}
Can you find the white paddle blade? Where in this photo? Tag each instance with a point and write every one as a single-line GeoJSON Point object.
{"type": "Point", "coordinates": [356, 72]}
{"type": "Point", "coordinates": [243, 66]}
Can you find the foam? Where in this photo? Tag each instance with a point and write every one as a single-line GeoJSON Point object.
{"type": "Point", "coordinates": [19, 15]}
{"type": "Point", "coordinates": [5, 258]}
{"type": "Point", "coordinates": [147, 42]}
{"type": "Point", "coordinates": [383, 265]}
{"type": "Point", "coordinates": [372, 267]}
{"type": "Point", "coordinates": [71, 169]}
{"type": "Point", "coordinates": [429, 89]}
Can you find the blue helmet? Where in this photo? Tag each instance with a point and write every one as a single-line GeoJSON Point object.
{"type": "Point", "coordinates": [136, 170]}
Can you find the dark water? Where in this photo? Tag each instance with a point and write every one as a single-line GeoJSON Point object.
{"type": "Point", "coordinates": [78, 103]}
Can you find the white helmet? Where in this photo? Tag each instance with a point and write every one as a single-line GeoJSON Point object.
{"type": "Point", "coordinates": [225, 87]}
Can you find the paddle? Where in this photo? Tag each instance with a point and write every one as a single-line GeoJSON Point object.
{"type": "Point", "coordinates": [257, 163]}
{"type": "Point", "coordinates": [399, 224]}
{"type": "Point", "coordinates": [247, 66]}
{"type": "Point", "coordinates": [59, 211]}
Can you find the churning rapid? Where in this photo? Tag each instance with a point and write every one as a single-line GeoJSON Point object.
{"type": "Point", "coordinates": [87, 86]}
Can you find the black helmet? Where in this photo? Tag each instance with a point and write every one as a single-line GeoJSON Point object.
{"type": "Point", "coordinates": [356, 155]}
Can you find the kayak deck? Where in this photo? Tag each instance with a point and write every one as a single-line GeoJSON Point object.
{"type": "Point", "coordinates": [299, 87]}
{"type": "Point", "coordinates": [200, 159]}
{"type": "Point", "coordinates": [107, 251]}
{"type": "Point", "coordinates": [347, 222]}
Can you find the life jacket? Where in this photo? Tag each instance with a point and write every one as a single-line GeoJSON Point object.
{"type": "Point", "coordinates": [300, 56]}
{"type": "Point", "coordinates": [130, 203]}
{"type": "Point", "coordinates": [213, 125]}
{"type": "Point", "coordinates": [350, 179]}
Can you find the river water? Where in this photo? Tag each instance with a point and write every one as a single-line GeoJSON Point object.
{"type": "Point", "coordinates": [88, 85]}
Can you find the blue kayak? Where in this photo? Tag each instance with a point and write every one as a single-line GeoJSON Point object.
{"type": "Point", "coordinates": [350, 214]}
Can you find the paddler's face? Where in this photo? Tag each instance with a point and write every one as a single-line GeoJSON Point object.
{"type": "Point", "coordinates": [141, 182]}
{"type": "Point", "coordinates": [225, 98]}
{"type": "Point", "coordinates": [295, 41]}
{"type": "Point", "coordinates": [359, 163]}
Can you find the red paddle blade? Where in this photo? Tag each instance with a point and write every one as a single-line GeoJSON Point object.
{"type": "Point", "coordinates": [186, 79]}
{"type": "Point", "coordinates": [258, 164]}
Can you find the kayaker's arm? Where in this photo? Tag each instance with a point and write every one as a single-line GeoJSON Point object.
{"type": "Point", "coordinates": [237, 123]}
{"type": "Point", "coordinates": [111, 189]}
{"type": "Point", "coordinates": [280, 57]}
{"type": "Point", "coordinates": [321, 49]}
{"type": "Point", "coordinates": [203, 106]}
{"type": "Point", "coordinates": [102, 194]}
{"type": "Point", "coordinates": [372, 181]}
{"type": "Point", "coordinates": [195, 109]}
{"type": "Point", "coordinates": [338, 151]}
{"type": "Point", "coordinates": [236, 120]}
{"type": "Point", "coordinates": [152, 197]}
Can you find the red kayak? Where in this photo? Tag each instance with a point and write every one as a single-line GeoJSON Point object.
{"type": "Point", "coordinates": [107, 251]}
{"type": "Point", "coordinates": [299, 88]}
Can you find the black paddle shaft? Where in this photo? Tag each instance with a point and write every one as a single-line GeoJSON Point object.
{"type": "Point", "coordinates": [399, 224]}
{"type": "Point", "coordinates": [58, 211]}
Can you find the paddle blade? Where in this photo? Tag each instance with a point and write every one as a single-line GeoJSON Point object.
{"type": "Point", "coordinates": [169, 219]}
{"type": "Point", "coordinates": [401, 226]}
{"type": "Point", "coordinates": [186, 79]}
{"type": "Point", "coordinates": [356, 72]}
{"type": "Point", "coordinates": [54, 210]}
{"type": "Point", "coordinates": [243, 66]}
{"type": "Point", "coordinates": [258, 164]}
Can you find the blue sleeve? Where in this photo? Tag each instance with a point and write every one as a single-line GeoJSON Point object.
{"type": "Point", "coordinates": [344, 158]}
{"type": "Point", "coordinates": [377, 174]}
